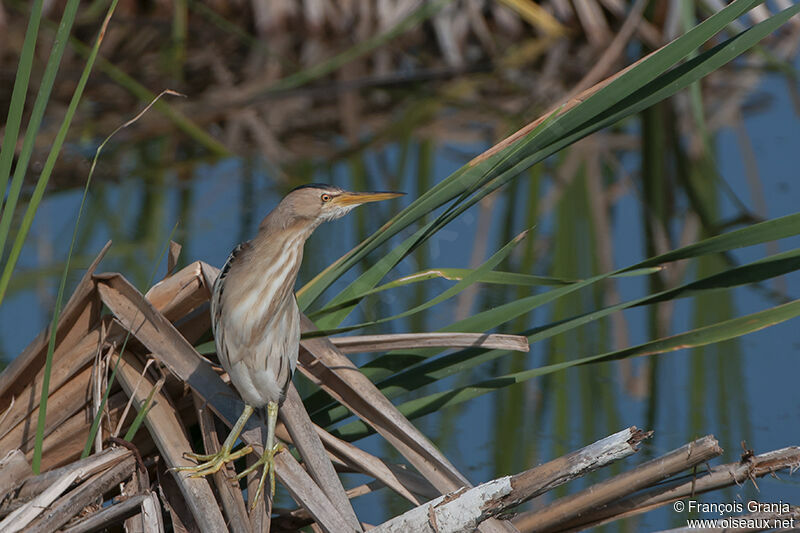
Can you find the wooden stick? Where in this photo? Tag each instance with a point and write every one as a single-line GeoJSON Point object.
{"type": "Point", "coordinates": [74, 501]}
{"type": "Point", "coordinates": [570, 507]}
{"type": "Point", "coordinates": [111, 515]}
{"type": "Point", "coordinates": [225, 478]}
{"type": "Point", "coordinates": [465, 509]}
{"type": "Point", "coordinates": [315, 459]}
{"type": "Point", "coordinates": [687, 486]}
{"type": "Point", "coordinates": [83, 468]}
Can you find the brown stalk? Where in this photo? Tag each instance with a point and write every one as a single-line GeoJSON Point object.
{"type": "Point", "coordinates": [409, 341]}
{"type": "Point", "coordinates": [110, 516]}
{"type": "Point", "coordinates": [344, 382]}
{"type": "Point", "coordinates": [225, 479]}
{"type": "Point", "coordinates": [294, 416]}
{"type": "Point", "coordinates": [70, 362]}
{"type": "Point", "coordinates": [62, 404]}
{"type": "Point", "coordinates": [465, 509]}
{"type": "Point", "coordinates": [717, 477]}
{"type": "Point", "coordinates": [366, 463]}
{"type": "Point", "coordinates": [570, 507]}
{"type": "Point", "coordinates": [167, 431]}
{"type": "Point", "coordinates": [83, 468]}
{"type": "Point", "coordinates": [57, 514]}
{"type": "Point", "coordinates": [14, 469]}
{"type": "Point", "coordinates": [79, 314]}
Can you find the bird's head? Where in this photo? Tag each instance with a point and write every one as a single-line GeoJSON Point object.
{"type": "Point", "coordinates": [316, 203]}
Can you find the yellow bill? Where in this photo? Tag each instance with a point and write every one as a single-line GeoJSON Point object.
{"type": "Point", "coordinates": [358, 198]}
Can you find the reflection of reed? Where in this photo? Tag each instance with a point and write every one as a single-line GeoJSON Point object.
{"type": "Point", "coordinates": [238, 57]}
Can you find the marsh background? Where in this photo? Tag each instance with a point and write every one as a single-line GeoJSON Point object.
{"type": "Point", "coordinates": [403, 117]}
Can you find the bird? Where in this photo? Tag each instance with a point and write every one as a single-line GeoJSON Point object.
{"type": "Point", "coordinates": [255, 318]}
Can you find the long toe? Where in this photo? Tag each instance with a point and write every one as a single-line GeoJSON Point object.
{"type": "Point", "coordinates": [211, 463]}
{"type": "Point", "coordinates": [199, 457]}
{"type": "Point", "coordinates": [268, 460]}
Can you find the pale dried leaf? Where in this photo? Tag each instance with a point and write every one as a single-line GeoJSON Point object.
{"type": "Point", "coordinates": [297, 421]}
{"type": "Point", "coordinates": [342, 380]}
{"type": "Point", "coordinates": [409, 341]}
{"type": "Point", "coordinates": [167, 432]}
{"type": "Point", "coordinates": [78, 316]}
{"type": "Point", "coordinates": [367, 463]}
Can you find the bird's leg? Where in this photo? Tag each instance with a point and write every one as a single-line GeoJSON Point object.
{"type": "Point", "coordinates": [211, 463]}
{"type": "Point", "coordinates": [268, 458]}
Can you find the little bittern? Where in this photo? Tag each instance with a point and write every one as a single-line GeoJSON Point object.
{"type": "Point", "coordinates": [255, 318]}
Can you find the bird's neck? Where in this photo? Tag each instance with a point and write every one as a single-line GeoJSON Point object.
{"type": "Point", "coordinates": [278, 254]}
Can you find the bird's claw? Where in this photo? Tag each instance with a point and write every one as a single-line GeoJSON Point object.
{"type": "Point", "coordinates": [210, 463]}
{"type": "Point", "coordinates": [268, 460]}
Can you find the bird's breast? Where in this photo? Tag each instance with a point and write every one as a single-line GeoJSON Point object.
{"type": "Point", "coordinates": [258, 325]}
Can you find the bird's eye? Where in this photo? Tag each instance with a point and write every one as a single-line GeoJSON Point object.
{"type": "Point", "coordinates": [326, 197]}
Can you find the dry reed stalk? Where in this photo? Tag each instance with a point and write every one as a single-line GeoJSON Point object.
{"type": "Point", "coordinates": [34, 494]}
{"type": "Point", "coordinates": [69, 364]}
{"type": "Point", "coordinates": [89, 466]}
{"type": "Point", "coordinates": [169, 435]}
{"type": "Point", "coordinates": [569, 507]}
{"type": "Point", "coordinates": [409, 341]}
{"type": "Point", "coordinates": [401, 481]}
{"type": "Point", "coordinates": [14, 469]}
{"type": "Point", "coordinates": [341, 379]}
{"type": "Point", "coordinates": [80, 313]}
{"type": "Point", "coordinates": [466, 508]}
{"type": "Point", "coordinates": [61, 406]}
{"type": "Point", "coordinates": [225, 479]}
{"type": "Point", "coordinates": [109, 516]}
{"type": "Point", "coordinates": [749, 467]}
{"type": "Point", "coordinates": [305, 438]}
{"type": "Point", "coordinates": [59, 512]}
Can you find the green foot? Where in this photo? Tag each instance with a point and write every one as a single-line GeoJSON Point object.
{"type": "Point", "coordinates": [268, 460]}
{"type": "Point", "coordinates": [211, 463]}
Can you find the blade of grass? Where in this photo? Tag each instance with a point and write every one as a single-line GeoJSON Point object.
{"type": "Point", "coordinates": [28, 220]}
{"type": "Point", "coordinates": [18, 96]}
{"type": "Point", "coordinates": [458, 274]}
{"type": "Point", "coordinates": [468, 280]}
{"type": "Point", "coordinates": [721, 331]}
{"type": "Point", "coordinates": [514, 153]}
{"type": "Point", "coordinates": [39, 105]}
{"type": "Point", "coordinates": [385, 367]}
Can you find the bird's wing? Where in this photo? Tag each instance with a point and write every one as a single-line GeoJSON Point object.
{"type": "Point", "coordinates": [216, 299]}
